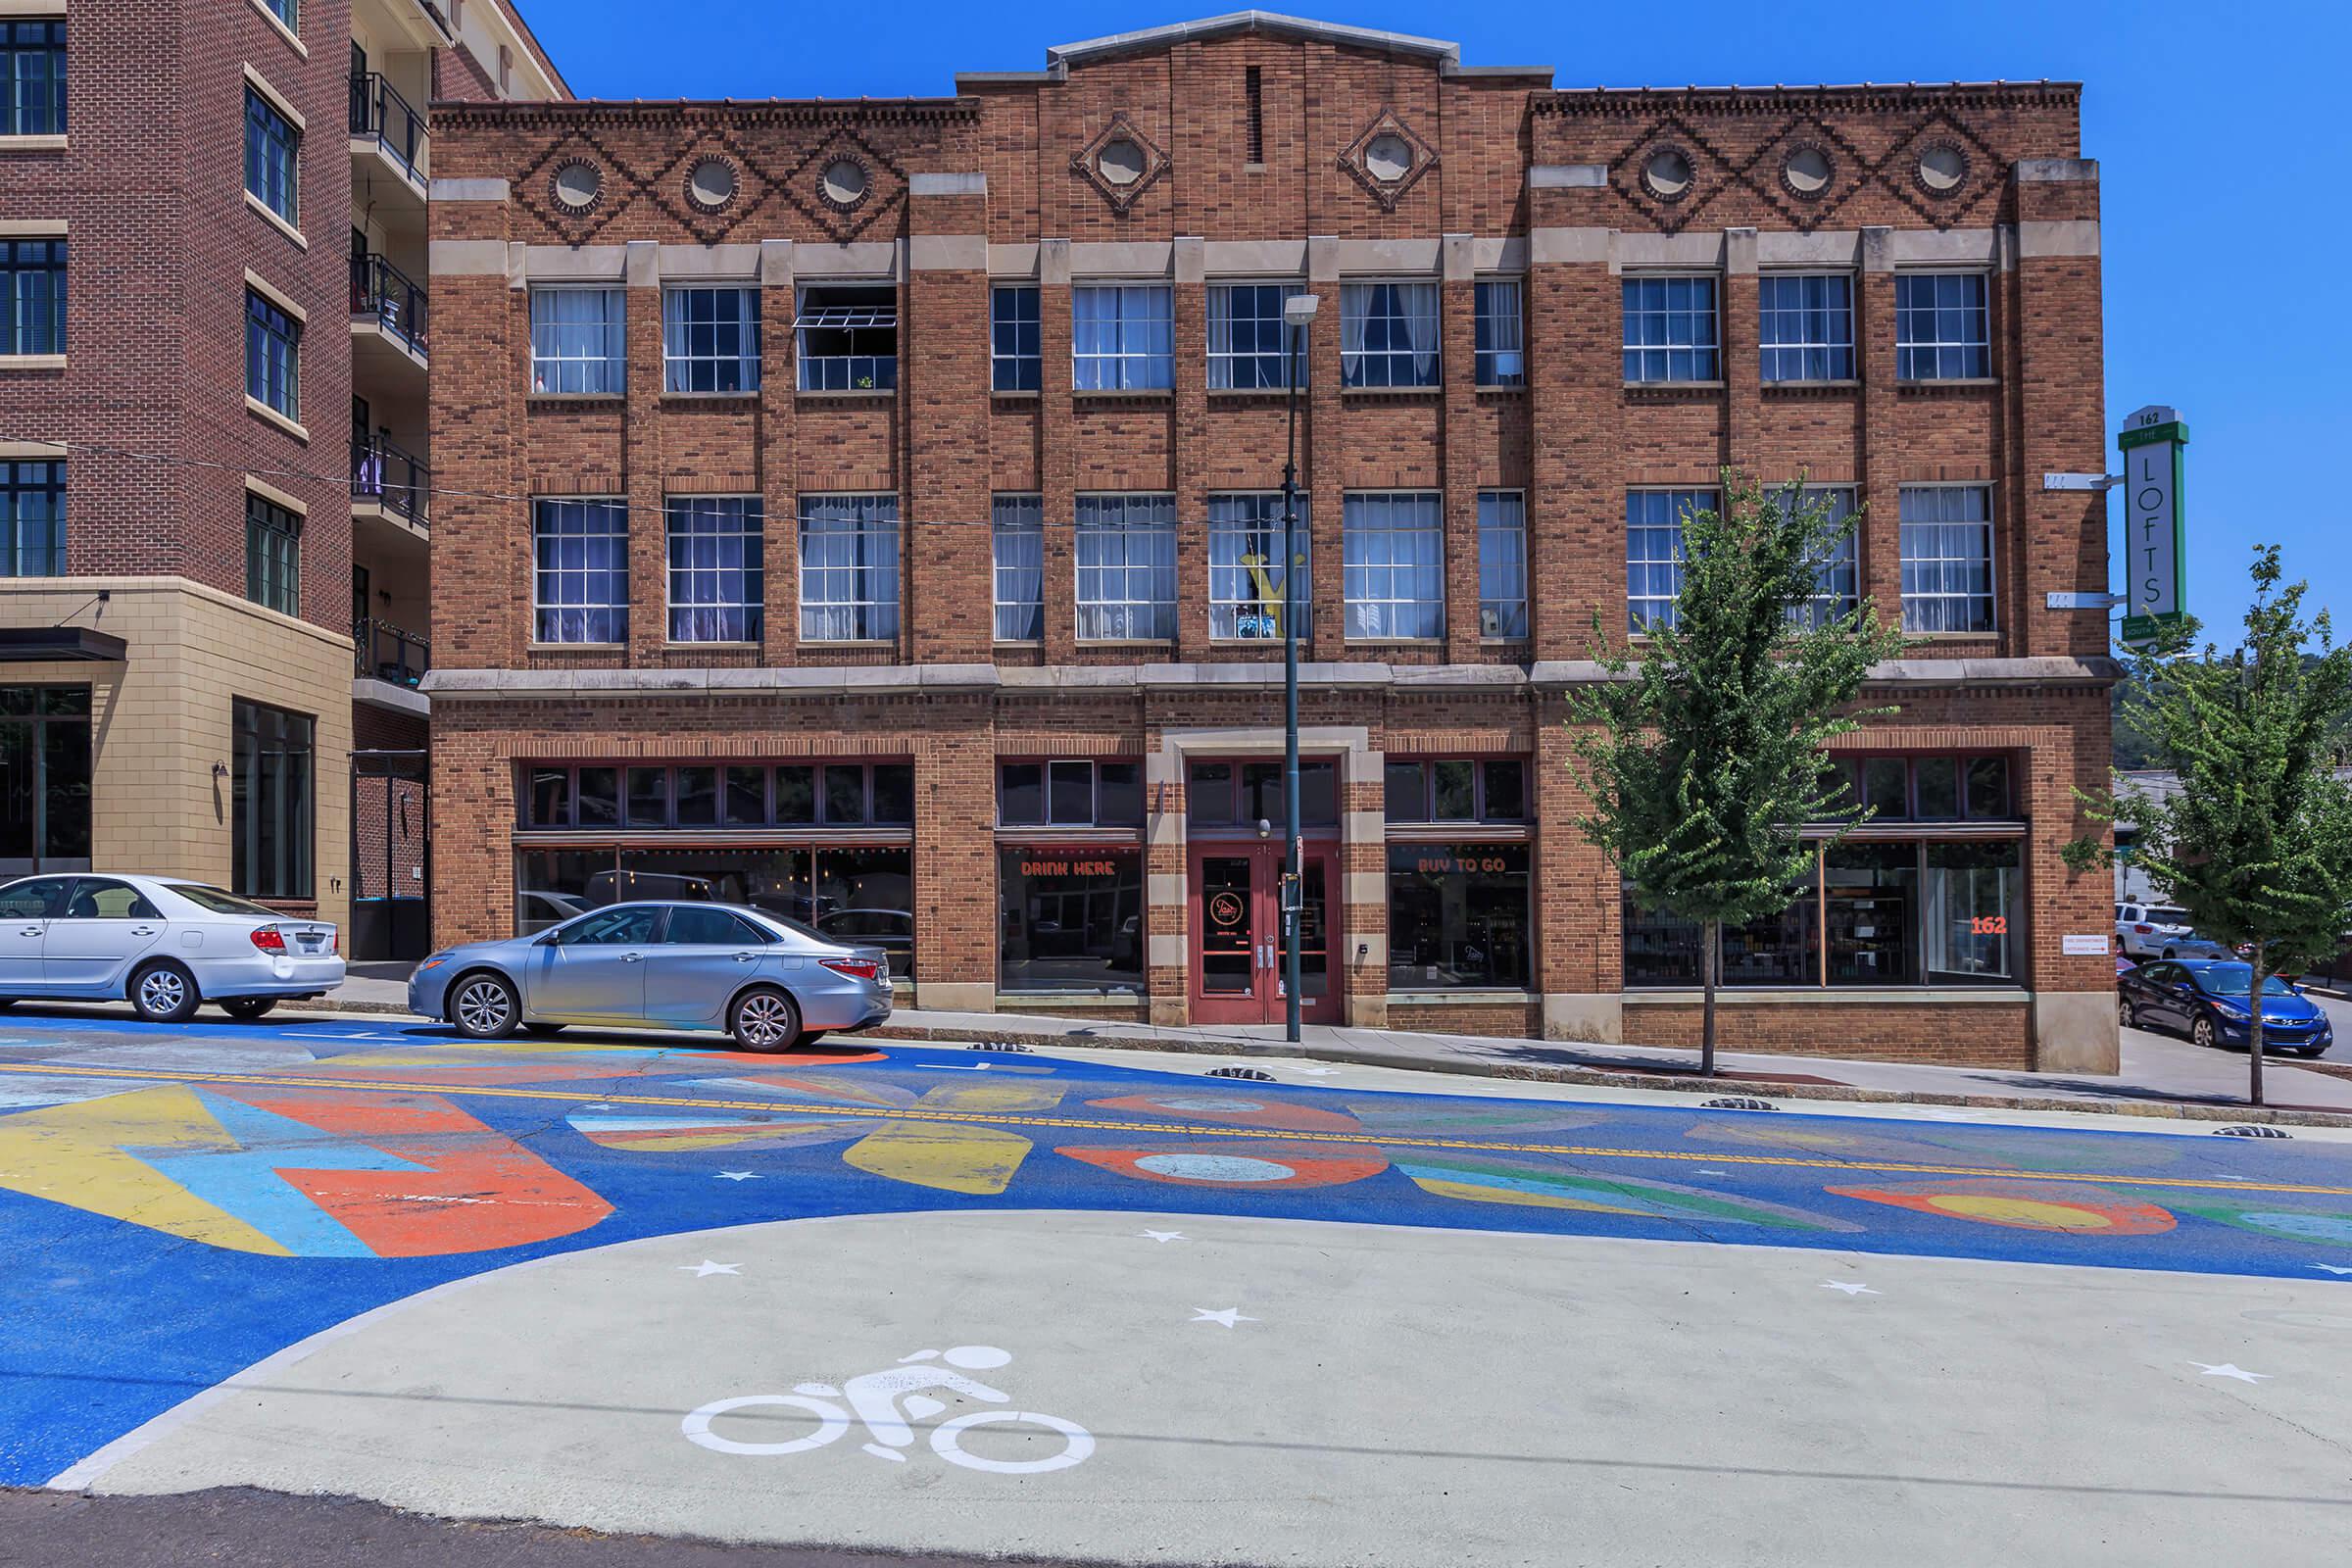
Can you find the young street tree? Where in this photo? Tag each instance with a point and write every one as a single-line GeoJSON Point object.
{"type": "Point", "coordinates": [2256, 843]}
{"type": "Point", "coordinates": [1705, 759]}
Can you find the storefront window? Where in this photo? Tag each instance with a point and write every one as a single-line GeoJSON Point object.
{"type": "Point", "coordinates": [1973, 899]}
{"type": "Point", "coordinates": [1070, 919]}
{"type": "Point", "coordinates": [1871, 897]}
{"type": "Point", "coordinates": [1459, 917]}
{"type": "Point", "coordinates": [44, 779]}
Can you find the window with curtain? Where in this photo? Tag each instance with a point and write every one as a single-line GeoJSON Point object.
{"type": "Point", "coordinates": [1947, 556]}
{"type": "Point", "coordinates": [1245, 565]}
{"type": "Point", "coordinates": [1806, 327]}
{"type": "Point", "coordinates": [711, 339]}
{"type": "Point", "coordinates": [1123, 337]}
{"type": "Point", "coordinates": [580, 340]}
{"type": "Point", "coordinates": [272, 355]}
{"type": "Point", "coordinates": [32, 519]}
{"type": "Point", "coordinates": [1836, 575]}
{"type": "Point", "coordinates": [1018, 537]}
{"type": "Point", "coordinates": [717, 586]}
{"type": "Point", "coordinates": [32, 77]}
{"type": "Point", "coordinates": [1249, 345]}
{"type": "Point", "coordinates": [1502, 563]}
{"type": "Point", "coordinates": [272, 556]}
{"type": "Point", "coordinates": [1500, 333]}
{"type": "Point", "coordinates": [849, 337]}
{"type": "Point", "coordinates": [1943, 329]}
{"type": "Point", "coordinates": [1653, 552]}
{"type": "Point", "coordinates": [1014, 351]}
{"type": "Point", "coordinates": [1389, 335]}
{"type": "Point", "coordinates": [848, 568]}
{"type": "Point", "coordinates": [1395, 564]}
{"type": "Point", "coordinates": [32, 296]}
{"type": "Point", "coordinates": [272, 160]}
{"type": "Point", "coordinates": [271, 803]}
{"type": "Point", "coordinates": [1126, 553]}
{"type": "Point", "coordinates": [580, 578]}
{"type": "Point", "coordinates": [1670, 329]}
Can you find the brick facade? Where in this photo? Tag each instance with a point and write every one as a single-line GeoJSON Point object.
{"type": "Point", "coordinates": [1504, 178]}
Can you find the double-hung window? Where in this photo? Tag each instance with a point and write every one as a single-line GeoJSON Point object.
{"type": "Point", "coordinates": [1249, 344]}
{"type": "Point", "coordinates": [716, 587]}
{"type": "Point", "coordinates": [1942, 330]}
{"type": "Point", "coordinates": [272, 355]}
{"type": "Point", "coordinates": [1806, 327]}
{"type": "Point", "coordinates": [1123, 337]}
{"type": "Point", "coordinates": [272, 556]}
{"type": "Point", "coordinates": [580, 340]}
{"type": "Point", "coordinates": [1670, 329]}
{"type": "Point", "coordinates": [1245, 565]}
{"type": "Point", "coordinates": [848, 568]}
{"type": "Point", "coordinates": [1018, 537]}
{"type": "Point", "coordinates": [1126, 555]}
{"type": "Point", "coordinates": [1393, 565]}
{"type": "Point", "coordinates": [32, 519]}
{"type": "Point", "coordinates": [32, 77]}
{"type": "Point", "coordinates": [272, 155]}
{"type": "Point", "coordinates": [1836, 575]}
{"type": "Point", "coordinates": [32, 296]}
{"type": "Point", "coordinates": [1014, 352]}
{"type": "Point", "coordinates": [1947, 557]}
{"type": "Point", "coordinates": [1501, 333]}
{"type": "Point", "coordinates": [711, 339]}
{"type": "Point", "coordinates": [581, 571]}
{"type": "Point", "coordinates": [1653, 552]}
{"type": "Point", "coordinates": [1388, 334]}
{"type": "Point", "coordinates": [1502, 563]}
{"type": "Point", "coordinates": [849, 337]}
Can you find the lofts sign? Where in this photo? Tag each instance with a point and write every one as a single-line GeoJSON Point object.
{"type": "Point", "coordinates": [2155, 536]}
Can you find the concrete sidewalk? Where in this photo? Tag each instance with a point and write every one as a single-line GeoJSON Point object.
{"type": "Point", "coordinates": [2161, 1076]}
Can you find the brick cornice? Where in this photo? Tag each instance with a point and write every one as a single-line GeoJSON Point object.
{"type": "Point", "coordinates": [703, 113]}
{"type": "Point", "coordinates": [1634, 102]}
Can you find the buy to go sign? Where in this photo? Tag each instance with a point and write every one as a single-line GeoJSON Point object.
{"type": "Point", "coordinates": [2155, 536]}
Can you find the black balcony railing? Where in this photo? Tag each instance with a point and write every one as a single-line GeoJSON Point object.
{"type": "Point", "coordinates": [378, 109]}
{"type": "Point", "coordinates": [385, 474]}
{"type": "Point", "coordinates": [380, 290]}
{"type": "Point", "coordinates": [386, 653]}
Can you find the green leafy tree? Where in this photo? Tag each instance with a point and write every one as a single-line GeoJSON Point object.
{"type": "Point", "coordinates": [1704, 760]}
{"type": "Point", "coordinates": [2256, 843]}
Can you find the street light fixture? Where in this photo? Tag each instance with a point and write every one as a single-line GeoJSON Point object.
{"type": "Point", "coordinates": [1297, 311]}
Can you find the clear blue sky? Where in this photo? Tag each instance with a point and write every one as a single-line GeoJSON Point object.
{"type": "Point", "coordinates": [2216, 127]}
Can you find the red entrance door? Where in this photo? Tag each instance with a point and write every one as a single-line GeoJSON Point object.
{"type": "Point", "coordinates": [1237, 935]}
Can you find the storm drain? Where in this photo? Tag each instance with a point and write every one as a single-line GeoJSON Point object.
{"type": "Point", "coordinates": [1255, 1075]}
{"type": "Point", "coordinates": [1737, 1102]}
{"type": "Point", "coordinates": [1001, 1044]}
{"type": "Point", "coordinates": [2241, 1131]}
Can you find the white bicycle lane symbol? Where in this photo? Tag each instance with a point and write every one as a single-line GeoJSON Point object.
{"type": "Point", "coordinates": [883, 1402]}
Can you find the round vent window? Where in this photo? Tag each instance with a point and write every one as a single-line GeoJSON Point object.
{"type": "Point", "coordinates": [1388, 158]}
{"type": "Point", "coordinates": [844, 181]}
{"type": "Point", "coordinates": [1808, 170]}
{"type": "Point", "coordinates": [711, 183]}
{"type": "Point", "coordinates": [1667, 173]}
{"type": "Point", "coordinates": [578, 184]}
{"type": "Point", "coordinates": [1942, 168]}
{"type": "Point", "coordinates": [1121, 162]}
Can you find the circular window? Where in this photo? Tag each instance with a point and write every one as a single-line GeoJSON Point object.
{"type": "Point", "coordinates": [1121, 162]}
{"type": "Point", "coordinates": [1667, 173]}
{"type": "Point", "coordinates": [711, 184]}
{"type": "Point", "coordinates": [578, 184]}
{"type": "Point", "coordinates": [1942, 168]}
{"type": "Point", "coordinates": [844, 182]}
{"type": "Point", "coordinates": [1808, 170]}
{"type": "Point", "coordinates": [1388, 158]}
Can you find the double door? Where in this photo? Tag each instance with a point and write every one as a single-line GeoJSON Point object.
{"type": "Point", "coordinates": [1238, 966]}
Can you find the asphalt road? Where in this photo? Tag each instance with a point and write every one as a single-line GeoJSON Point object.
{"type": "Point", "coordinates": [936, 1299]}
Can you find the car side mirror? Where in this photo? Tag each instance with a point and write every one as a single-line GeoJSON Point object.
{"type": "Point", "coordinates": [546, 940]}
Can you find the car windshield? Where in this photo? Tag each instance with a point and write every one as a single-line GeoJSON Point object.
{"type": "Point", "coordinates": [2232, 979]}
{"type": "Point", "coordinates": [220, 902]}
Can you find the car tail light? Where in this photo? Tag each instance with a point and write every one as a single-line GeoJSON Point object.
{"type": "Point", "coordinates": [855, 968]}
{"type": "Point", "coordinates": [334, 940]}
{"type": "Point", "coordinates": [269, 938]}
{"type": "Point", "coordinates": [2144, 929]}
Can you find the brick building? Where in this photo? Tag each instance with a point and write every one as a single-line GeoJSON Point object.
{"type": "Point", "coordinates": [196, 196]}
{"type": "Point", "coordinates": [863, 509]}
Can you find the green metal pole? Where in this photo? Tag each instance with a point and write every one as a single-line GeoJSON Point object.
{"type": "Point", "coordinates": [1293, 889]}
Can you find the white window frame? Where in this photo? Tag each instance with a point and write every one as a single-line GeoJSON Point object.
{"type": "Point", "coordinates": [608, 367]}
{"type": "Point", "coordinates": [997, 357]}
{"type": "Point", "coordinates": [865, 534]}
{"type": "Point", "coordinates": [1829, 347]}
{"type": "Point", "coordinates": [1379, 552]}
{"type": "Point", "coordinates": [1905, 348]}
{"type": "Point", "coordinates": [1129, 552]}
{"type": "Point", "coordinates": [1122, 367]}
{"type": "Point", "coordinates": [862, 324]}
{"type": "Point", "coordinates": [1917, 562]}
{"type": "Point", "coordinates": [680, 365]}
{"type": "Point", "coordinates": [1837, 577]}
{"type": "Point", "coordinates": [1234, 516]}
{"type": "Point", "coordinates": [702, 577]}
{"type": "Point", "coordinates": [1017, 551]}
{"type": "Point", "coordinates": [1667, 348]}
{"type": "Point", "coordinates": [1397, 366]}
{"type": "Point", "coordinates": [1232, 370]}
{"type": "Point", "coordinates": [1650, 608]}
{"type": "Point", "coordinates": [613, 509]}
{"type": "Point", "coordinates": [1497, 355]}
{"type": "Point", "coordinates": [1503, 566]}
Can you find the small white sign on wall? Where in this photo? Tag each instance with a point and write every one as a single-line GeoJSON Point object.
{"type": "Point", "coordinates": [2081, 945]}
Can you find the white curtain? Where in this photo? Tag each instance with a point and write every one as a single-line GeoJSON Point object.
{"type": "Point", "coordinates": [1355, 308]}
{"type": "Point", "coordinates": [1418, 303]}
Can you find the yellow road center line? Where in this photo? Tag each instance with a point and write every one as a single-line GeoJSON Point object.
{"type": "Point", "coordinates": [1158, 1129]}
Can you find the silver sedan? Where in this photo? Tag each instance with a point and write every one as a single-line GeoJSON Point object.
{"type": "Point", "coordinates": [769, 982]}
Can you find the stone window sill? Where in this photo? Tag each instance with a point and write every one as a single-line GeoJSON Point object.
{"type": "Point", "coordinates": [1138, 393]}
{"type": "Point", "coordinates": [32, 144]}
{"type": "Point", "coordinates": [276, 23]}
{"type": "Point", "coordinates": [578, 399]}
{"type": "Point", "coordinates": [255, 406]}
{"type": "Point", "coordinates": [1014, 394]}
{"type": "Point", "coordinates": [575, 647]}
{"type": "Point", "coordinates": [274, 221]}
{"type": "Point", "coordinates": [847, 394]}
{"type": "Point", "coordinates": [1467, 997]}
{"type": "Point", "coordinates": [1398, 394]}
{"type": "Point", "coordinates": [32, 362]}
{"type": "Point", "coordinates": [1872, 995]}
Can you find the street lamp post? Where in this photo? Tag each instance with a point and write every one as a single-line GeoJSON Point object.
{"type": "Point", "coordinates": [1297, 311]}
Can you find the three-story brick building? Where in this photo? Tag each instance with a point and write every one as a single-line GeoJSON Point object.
{"type": "Point", "coordinates": [866, 510]}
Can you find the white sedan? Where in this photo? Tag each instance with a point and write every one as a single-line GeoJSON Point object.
{"type": "Point", "coordinates": [163, 943]}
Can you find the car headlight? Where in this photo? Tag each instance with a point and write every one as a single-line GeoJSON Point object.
{"type": "Point", "coordinates": [2227, 1008]}
{"type": "Point", "coordinates": [434, 963]}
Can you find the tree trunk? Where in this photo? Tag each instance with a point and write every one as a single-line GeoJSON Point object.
{"type": "Point", "coordinates": [1708, 962]}
{"type": "Point", "coordinates": [2254, 1026]}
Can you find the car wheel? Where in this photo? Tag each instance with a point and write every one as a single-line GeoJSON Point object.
{"type": "Point", "coordinates": [2122, 1014]}
{"type": "Point", "coordinates": [162, 993]}
{"type": "Point", "coordinates": [764, 1019]}
{"type": "Point", "coordinates": [540, 1026]}
{"type": "Point", "coordinates": [483, 1006]}
{"type": "Point", "coordinates": [247, 1009]}
{"type": "Point", "coordinates": [2202, 1033]}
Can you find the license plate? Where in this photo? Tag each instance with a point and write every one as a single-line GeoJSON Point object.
{"type": "Point", "coordinates": [312, 941]}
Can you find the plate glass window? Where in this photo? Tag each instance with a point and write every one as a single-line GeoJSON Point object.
{"type": "Point", "coordinates": [848, 568]}
{"type": "Point", "coordinates": [1248, 343]}
{"type": "Point", "coordinates": [1017, 539]}
{"type": "Point", "coordinates": [710, 340]}
{"type": "Point", "coordinates": [32, 77]}
{"type": "Point", "coordinates": [1501, 564]}
{"type": "Point", "coordinates": [1245, 565]}
{"type": "Point", "coordinates": [579, 341]}
{"type": "Point", "coordinates": [1653, 552]}
{"type": "Point", "coordinates": [1670, 329]}
{"type": "Point", "coordinates": [1942, 330]}
{"type": "Point", "coordinates": [1126, 559]}
{"type": "Point", "coordinates": [1014, 351]}
{"type": "Point", "coordinates": [1947, 557]}
{"type": "Point", "coordinates": [271, 803]}
{"type": "Point", "coordinates": [716, 587]}
{"type": "Point", "coordinates": [1500, 333]}
{"type": "Point", "coordinates": [1458, 916]}
{"type": "Point", "coordinates": [1394, 566]}
{"type": "Point", "coordinates": [581, 571]}
{"type": "Point", "coordinates": [272, 157]}
{"type": "Point", "coordinates": [272, 556]}
{"type": "Point", "coordinates": [44, 779]}
{"type": "Point", "coordinates": [1123, 337]}
{"type": "Point", "coordinates": [32, 519]}
{"type": "Point", "coordinates": [1388, 334]}
{"type": "Point", "coordinates": [32, 296]}
{"type": "Point", "coordinates": [1070, 918]}
{"type": "Point", "coordinates": [272, 355]}
{"type": "Point", "coordinates": [1805, 329]}
{"type": "Point", "coordinates": [849, 337]}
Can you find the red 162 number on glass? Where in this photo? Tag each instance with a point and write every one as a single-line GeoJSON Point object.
{"type": "Point", "coordinates": [1989, 925]}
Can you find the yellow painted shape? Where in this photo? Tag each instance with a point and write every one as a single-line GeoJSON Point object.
{"type": "Point", "coordinates": [1472, 1194]}
{"type": "Point", "coordinates": [73, 1154]}
{"type": "Point", "coordinates": [691, 1140]}
{"type": "Point", "coordinates": [956, 1160]}
{"type": "Point", "coordinates": [2019, 1212]}
{"type": "Point", "coordinates": [987, 1098]}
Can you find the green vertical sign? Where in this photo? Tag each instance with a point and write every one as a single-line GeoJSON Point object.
{"type": "Point", "coordinates": [2155, 533]}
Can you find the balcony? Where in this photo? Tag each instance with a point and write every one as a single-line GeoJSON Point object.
{"type": "Point", "coordinates": [387, 328]}
{"type": "Point", "coordinates": [387, 663]}
{"type": "Point", "coordinates": [386, 482]}
{"type": "Point", "coordinates": [387, 131]}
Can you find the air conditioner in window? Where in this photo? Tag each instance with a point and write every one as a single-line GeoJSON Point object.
{"type": "Point", "coordinates": [1490, 623]}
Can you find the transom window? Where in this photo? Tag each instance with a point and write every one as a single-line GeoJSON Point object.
{"type": "Point", "coordinates": [1016, 354]}
{"type": "Point", "coordinates": [272, 355]}
{"type": "Point", "coordinates": [1123, 337]}
{"type": "Point", "coordinates": [1807, 326]}
{"type": "Point", "coordinates": [1394, 566]}
{"type": "Point", "coordinates": [1017, 534]}
{"type": "Point", "coordinates": [32, 78]}
{"type": "Point", "coordinates": [1670, 329]}
{"type": "Point", "coordinates": [580, 581]}
{"type": "Point", "coordinates": [580, 340]}
{"type": "Point", "coordinates": [1837, 576]}
{"type": "Point", "coordinates": [1501, 333]}
{"type": "Point", "coordinates": [1245, 565]}
{"type": "Point", "coordinates": [32, 519]}
{"type": "Point", "coordinates": [1501, 564]}
{"type": "Point", "coordinates": [616, 795]}
{"type": "Point", "coordinates": [716, 587]}
{"type": "Point", "coordinates": [273, 148]}
{"type": "Point", "coordinates": [1077, 793]}
{"type": "Point", "coordinates": [711, 339]}
{"type": "Point", "coordinates": [1947, 557]}
{"type": "Point", "coordinates": [1249, 345]}
{"type": "Point", "coordinates": [1457, 789]}
{"type": "Point", "coordinates": [1942, 330]}
{"type": "Point", "coordinates": [848, 568]}
{"type": "Point", "coordinates": [1246, 793]}
{"type": "Point", "coordinates": [32, 296]}
{"type": "Point", "coordinates": [1389, 335]}
{"type": "Point", "coordinates": [849, 337]}
{"type": "Point", "coordinates": [1653, 552]}
{"type": "Point", "coordinates": [272, 556]}
{"type": "Point", "coordinates": [1126, 553]}
{"type": "Point", "coordinates": [1929, 789]}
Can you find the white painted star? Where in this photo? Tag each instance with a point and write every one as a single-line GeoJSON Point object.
{"type": "Point", "coordinates": [2229, 1369]}
{"type": "Point", "coordinates": [1228, 1316]}
{"type": "Point", "coordinates": [1165, 1236]}
{"type": "Point", "coordinates": [2334, 1268]}
{"type": "Point", "coordinates": [705, 1268]}
{"type": "Point", "coordinates": [1850, 1287]}
{"type": "Point", "coordinates": [1714, 1173]}
{"type": "Point", "coordinates": [738, 1176]}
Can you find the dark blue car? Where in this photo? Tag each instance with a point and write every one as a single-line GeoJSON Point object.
{"type": "Point", "coordinates": [2206, 1000]}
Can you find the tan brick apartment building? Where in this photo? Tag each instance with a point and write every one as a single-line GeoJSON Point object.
{"type": "Point", "coordinates": [212, 233]}
{"type": "Point", "coordinates": [863, 509]}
